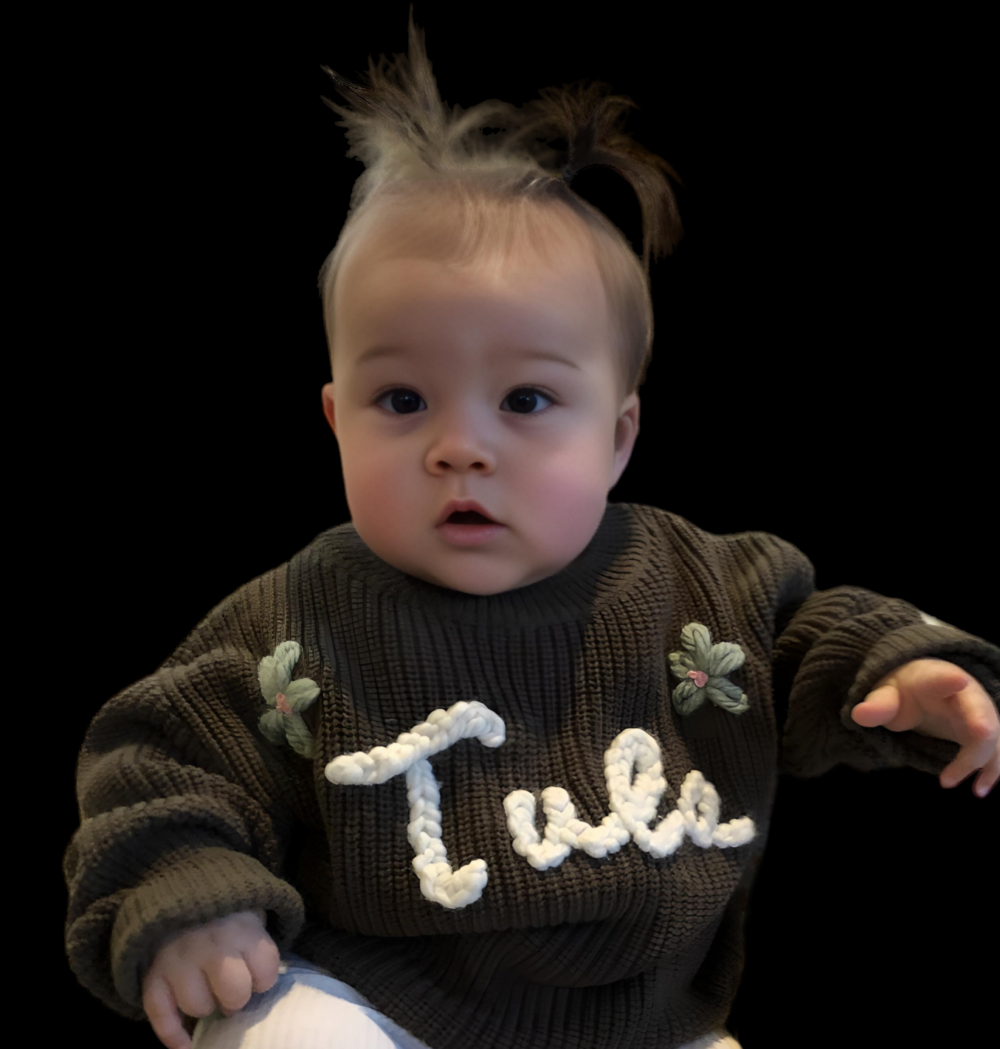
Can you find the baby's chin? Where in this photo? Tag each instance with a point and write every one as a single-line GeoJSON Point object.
{"type": "Point", "coordinates": [482, 580]}
{"type": "Point", "coordinates": [475, 587]}
{"type": "Point", "coordinates": [489, 588]}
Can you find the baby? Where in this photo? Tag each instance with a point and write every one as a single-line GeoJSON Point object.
{"type": "Point", "coordinates": [641, 680]}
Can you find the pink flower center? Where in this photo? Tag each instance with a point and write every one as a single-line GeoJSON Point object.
{"type": "Point", "coordinates": [281, 702]}
{"type": "Point", "coordinates": [699, 677]}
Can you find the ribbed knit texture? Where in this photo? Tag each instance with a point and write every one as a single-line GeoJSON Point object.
{"type": "Point", "coordinates": [189, 812]}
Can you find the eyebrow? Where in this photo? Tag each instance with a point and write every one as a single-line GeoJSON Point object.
{"type": "Point", "coordinates": [399, 351]}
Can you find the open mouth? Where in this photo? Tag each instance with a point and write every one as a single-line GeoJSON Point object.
{"type": "Point", "coordinates": [468, 517]}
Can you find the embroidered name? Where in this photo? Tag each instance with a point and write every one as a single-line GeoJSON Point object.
{"type": "Point", "coordinates": [633, 772]}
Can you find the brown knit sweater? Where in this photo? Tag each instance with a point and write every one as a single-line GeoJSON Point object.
{"type": "Point", "coordinates": [522, 821]}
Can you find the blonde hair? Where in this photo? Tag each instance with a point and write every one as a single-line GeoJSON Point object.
{"type": "Point", "coordinates": [494, 194]}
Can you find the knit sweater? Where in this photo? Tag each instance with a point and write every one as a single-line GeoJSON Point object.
{"type": "Point", "coordinates": [521, 821]}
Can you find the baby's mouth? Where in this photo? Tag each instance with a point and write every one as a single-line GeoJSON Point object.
{"type": "Point", "coordinates": [468, 517]}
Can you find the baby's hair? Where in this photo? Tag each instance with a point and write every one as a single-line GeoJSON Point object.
{"type": "Point", "coordinates": [488, 194]}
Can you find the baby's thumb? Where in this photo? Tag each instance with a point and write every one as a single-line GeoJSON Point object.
{"type": "Point", "coordinates": [877, 707]}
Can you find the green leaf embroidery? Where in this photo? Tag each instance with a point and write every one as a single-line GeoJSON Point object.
{"type": "Point", "coordinates": [284, 723]}
{"type": "Point", "coordinates": [702, 668]}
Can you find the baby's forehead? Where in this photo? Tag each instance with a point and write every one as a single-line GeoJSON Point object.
{"type": "Point", "coordinates": [404, 297]}
{"type": "Point", "coordinates": [548, 240]}
{"type": "Point", "coordinates": [399, 270]}
{"type": "Point", "coordinates": [389, 267]}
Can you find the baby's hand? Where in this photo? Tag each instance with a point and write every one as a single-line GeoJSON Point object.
{"type": "Point", "coordinates": [940, 699]}
{"type": "Point", "coordinates": [229, 958]}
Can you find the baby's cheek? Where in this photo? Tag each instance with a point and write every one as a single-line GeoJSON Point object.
{"type": "Point", "coordinates": [375, 496]}
{"type": "Point", "coordinates": [564, 517]}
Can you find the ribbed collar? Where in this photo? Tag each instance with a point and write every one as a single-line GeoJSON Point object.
{"type": "Point", "coordinates": [612, 562]}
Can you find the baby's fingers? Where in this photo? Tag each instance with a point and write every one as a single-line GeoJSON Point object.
{"type": "Point", "coordinates": [884, 706]}
{"type": "Point", "coordinates": [264, 961]}
{"type": "Point", "coordinates": [164, 1014]}
{"type": "Point", "coordinates": [982, 755]}
{"type": "Point", "coordinates": [260, 968]}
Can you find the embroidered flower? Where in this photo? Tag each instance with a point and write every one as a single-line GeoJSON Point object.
{"type": "Point", "coordinates": [284, 723]}
{"type": "Point", "coordinates": [702, 669]}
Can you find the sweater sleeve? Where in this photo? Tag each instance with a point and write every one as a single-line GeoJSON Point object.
{"type": "Point", "coordinates": [182, 816]}
{"type": "Point", "coordinates": [831, 647]}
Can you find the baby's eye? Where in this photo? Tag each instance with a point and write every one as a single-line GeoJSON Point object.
{"type": "Point", "coordinates": [524, 398]}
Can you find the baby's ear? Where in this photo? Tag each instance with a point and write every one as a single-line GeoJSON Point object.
{"type": "Point", "coordinates": [328, 406]}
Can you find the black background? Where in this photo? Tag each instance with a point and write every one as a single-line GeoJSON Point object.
{"type": "Point", "coordinates": [820, 371]}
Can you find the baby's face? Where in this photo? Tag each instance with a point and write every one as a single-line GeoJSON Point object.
{"type": "Point", "coordinates": [465, 428]}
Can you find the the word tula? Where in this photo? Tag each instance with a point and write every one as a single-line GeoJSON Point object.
{"type": "Point", "coordinates": [633, 803]}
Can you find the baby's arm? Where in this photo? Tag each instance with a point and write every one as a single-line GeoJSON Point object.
{"type": "Point", "coordinates": [181, 823]}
